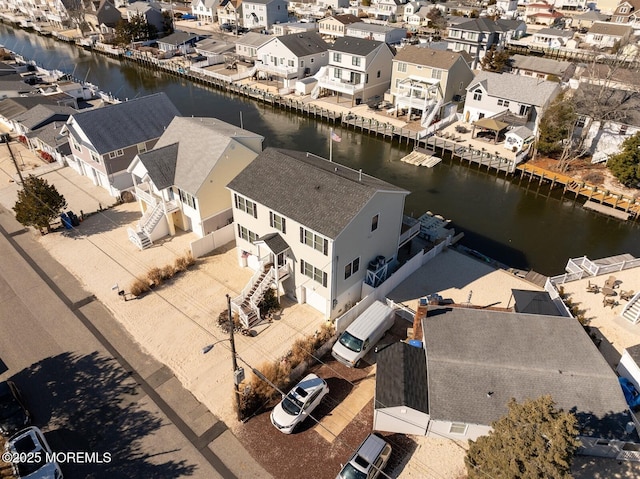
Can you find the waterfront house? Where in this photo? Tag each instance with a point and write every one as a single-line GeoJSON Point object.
{"type": "Point", "coordinates": [386, 10]}
{"type": "Point", "coordinates": [543, 68]}
{"type": "Point", "coordinates": [477, 36]}
{"type": "Point", "coordinates": [373, 31]}
{"type": "Point", "coordinates": [358, 70]}
{"type": "Point", "coordinates": [105, 140]}
{"type": "Point", "coordinates": [551, 37]}
{"type": "Point", "coordinates": [37, 118]}
{"type": "Point", "coordinates": [587, 19]}
{"type": "Point", "coordinates": [290, 57]}
{"type": "Point", "coordinates": [229, 12]}
{"type": "Point", "coordinates": [608, 35]}
{"type": "Point", "coordinates": [149, 12]}
{"type": "Point", "coordinates": [13, 85]}
{"type": "Point", "coordinates": [289, 28]}
{"type": "Point", "coordinates": [206, 11]}
{"type": "Point", "coordinates": [178, 43]}
{"type": "Point", "coordinates": [247, 45]}
{"type": "Point", "coordinates": [103, 19]}
{"type": "Point", "coordinates": [335, 26]}
{"type": "Point", "coordinates": [319, 222]}
{"type": "Point", "coordinates": [474, 361]}
{"type": "Point", "coordinates": [181, 182]}
{"type": "Point", "coordinates": [628, 12]}
{"type": "Point", "coordinates": [541, 13]}
{"type": "Point", "coordinates": [517, 100]}
{"type": "Point", "coordinates": [423, 80]}
{"type": "Point", "coordinates": [263, 13]}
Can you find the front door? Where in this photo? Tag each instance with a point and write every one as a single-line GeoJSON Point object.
{"type": "Point", "coordinates": [281, 259]}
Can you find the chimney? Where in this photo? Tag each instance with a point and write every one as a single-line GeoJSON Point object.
{"type": "Point", "coordinates": [421, 313]}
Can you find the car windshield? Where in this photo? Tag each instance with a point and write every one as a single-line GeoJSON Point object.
{"type": "Point", "coordinates": [26, 444]}
{"type": "Point", "coordinates": [350, 472]}
{"type": "Point", "coordinates": [351, 342]}
{"type": "Point", "coordinates": [291, 404]}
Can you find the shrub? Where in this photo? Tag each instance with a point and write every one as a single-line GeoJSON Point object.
{"type": "Point", "coordinates": [154, 275]}
{"type": "Point", "coordinates": [184, 262]}
{"type": "Point", "coordinates": [167, 272]}
{"type": "Point", "coordinates": [139, 287]}
{"type": "Point", "coordinates": [269, 302]}
{"type": "Point", "coordinates": [595, 177]}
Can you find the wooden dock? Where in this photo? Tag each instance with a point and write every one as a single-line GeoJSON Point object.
{"type": "Point", "coordinates": [422, 157]}
{"type": "Point", "coordinates": [610, 202]}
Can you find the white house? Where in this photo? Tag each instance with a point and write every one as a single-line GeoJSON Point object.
{"type": "Point", "coordinates": [263, 13]}
{"type": "Point", "coordinates": [247, 45]}
{"type": "Point", "coordinates": [335, 26]}
{"type": "Point", "coordinates": [205, 10]}
{"type": "Point", "coordinates": [319, 222]}
{"type": "Point", "coordinates": [607, 35]}
{"type": "Point", "coordinates": [373, 31]}
{"type": "Point", "coordinates": [181, 182]}
{"type": "Point", "coordinates": [552, 37]}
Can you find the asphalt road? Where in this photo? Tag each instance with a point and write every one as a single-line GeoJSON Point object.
{"type": "Point", "coordinates": [76, 371]}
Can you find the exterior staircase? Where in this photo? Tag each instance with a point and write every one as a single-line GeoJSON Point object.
{"type": "Point", "coordinates": [139, 238]}
{"type": "Point", "coordinates": [246, 304]}
{"type": "Point", "coordinates": [631, 311]}
{"type": "Point", "coordinates": [150, 219]}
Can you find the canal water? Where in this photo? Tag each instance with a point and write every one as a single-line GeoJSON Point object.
{"type": "Point", "coordinates": [505, 218]}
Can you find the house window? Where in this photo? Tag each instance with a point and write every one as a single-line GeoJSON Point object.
{"type": "Point", "coordinates": [291, 63]}
{"type": "Point", "coordinates": [246, 205]}
{"type": "Point", "coordinates": [314, 273]}
{"type": "Point", "coordinates": [115, 154]}
{"type": "Point", "coordinates": [477, 95]}
{"type": "Point", "coordinates": [597, 38]}
{"type": "Point", "coordinates": [503, 102]}
{"type": "Point", "coordinates": [187, 199]}
{"type": "Point", "coordinates": [356, 61]}
{"type": "Point", "coordinates": [317, 242]}
{"type": "Point", "coordinates": [337, 73]}
{"type": "Point", "coordinates": [458, 428]}
{"type": "Point", "coordinates": [277, 222]}
{"type": "Point", "coordinates": [402, 67]}
{"type": "Point", "coordinates": [337, 57]}
{"type": "Point", "coordinates": [378, 75]}
{"type": "Point", "coordinates": [623, 129]}
{"type": "Point", "coordinates": [623, 10]}
{"type": "Point", "coordinates": [437, 74]}
{"type": "Point", "coordinates": [246, 235]}
{"type": "Point", "coordinates": [374, 222]}
{"type": "Point", "coordinates": [352, 268]}
{"type": "Point", "coordinates": [142, 147]}
{"type": "Point", "coordinates": [95, 157]}
{"type": "Point", "coordinates": [76, 145]}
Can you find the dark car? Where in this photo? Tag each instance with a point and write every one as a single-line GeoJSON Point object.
{"type": "Point", "coordinates": [14, 416]}
{"type": "Point", "coordinates": [227, 27]}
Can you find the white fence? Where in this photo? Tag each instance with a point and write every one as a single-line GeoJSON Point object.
{"type": "Point", "coordinates": [219, 237]}
{"type": "Point", "coordinates": [103, 47]}
{"type": "Point", "coordinates": [220, 76]}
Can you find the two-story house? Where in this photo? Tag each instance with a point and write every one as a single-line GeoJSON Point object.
{"type": "Point", "coordinates": [541, 13]}
{"type": "Point", "coordinates": [291, 57]}
{"type": "Point", "coordinates": [608, 35]}
{"type": "Point", "coordinates": [105, 140]}
{"type": "Point", "coordinates": [289, 28]}
{"type": "Point", "coordinates": [479, 35]}
{"type": "Point", "coordinates": [380, 33]}
{"type": "Point", "coordinates": [386, 10]}
{"type": "Point", "coordinates": [205, 10]}
{"type": "Point", "coordinates": [247, 45]}
{"type": "Point", "coordinates": [520, 100]}
{"type": "Point", "coordinates": [358, 70]}
{"type": "Point", "coordinates": [230, 12]}
{"type": "Point", "coordinates": [103, 19]}
{"type": "Point", "coordinates": [543, 68]}
{"type": "Point", "coordinates": [149, 11]}
{"type": "Point", "coordinates": [263, 13]}
{"type": "Point", "coordinates": [423, 80]}
{"type": "Point", "coordinates": [551, 37]}
{"type": "Point", "coordinates": [319, 223]}
{"type": "Point", "coordinates": [335, 26]}
{"type": "Point", "coordinates": [627, 11]}
{"type": "Point", "coordinates": [181, 183]}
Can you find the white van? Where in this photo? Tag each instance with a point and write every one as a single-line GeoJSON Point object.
{"type": "Point", "coordinates": [363, 334]}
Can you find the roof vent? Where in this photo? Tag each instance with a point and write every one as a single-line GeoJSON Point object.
{"type": "Point", "coordinates": [335, 169]}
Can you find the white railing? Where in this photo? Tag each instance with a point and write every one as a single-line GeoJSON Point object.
{"type": "Point", "coordinates": [134, 238]}
{"type": "Point", "coordinates": [220, 76]}
{"type": "Point", "coordinates": [633, 302]}
{"type": "Point", "coordinates": [143, 194]}
{"type": "Point", "coordinates": [562, 308]}
{"type": "Point", "coordinates": [340, 85]}
{"type": "Point", "coordinates": [413, 231]}
{"type": "Point", "coordinates": [280, 71]}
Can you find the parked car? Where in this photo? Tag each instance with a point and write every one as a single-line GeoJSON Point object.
{"type": "Point", "coordinates": [226, 27]}
{"type": "Point", "coordinates": [368, 461]}
{"type": "Point", "coordinates": [298, 404]}
{"type": "Point", "coordinates": [30, 443]}
{"type": "Point", "coordinates": [13, 413]}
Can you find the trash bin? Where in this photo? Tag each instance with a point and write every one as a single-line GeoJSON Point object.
{"type": "Point", "coordinates": [416, 343]}
{"type": "Point", "coordinates": [73, 218]}
{"type": "Point", "coordinates": [66, 222]}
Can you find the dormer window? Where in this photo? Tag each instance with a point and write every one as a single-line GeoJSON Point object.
{"type": "Point", "coordinates": [477, 94]}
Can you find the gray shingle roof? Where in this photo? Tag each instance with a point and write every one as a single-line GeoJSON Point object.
{"type": "Point", "coordinates": [10, 108]}
{"type": "Point", "coordinates": [472, 353]}
{"type": "Point", "coordinates": [161, 165]}
{"type": "Point", "coordinates": [42, 114]}
{"type": "Point", "coordinates": [554, 32]}
{"type": "Point", "coordinates": [372, 27]}
{"type": "Point", "coordinates": [443, 59]}
{"type": "Point", "coordinates": [253, 39]}
{"type": "Point", "coordinates": [346, 19]}
{"type": "Point", "coordinates": [201, 141]}
{"type": "Point", "coordinates": [312, 191]}
{"type": "Point", "coordinates": [355, 46]}
{"type": "Point", "coordinates": [542, 65]}
{"type": "Point", "coordinates": [304, 44]}
{"type": "Point", "coordinates": [274, 242]}
{"type": "Point", "coordinates": [534, 302]}
{"type": "Point", "coordinates": [125, 124]}
{"type": "Point", "coordinates": [611, 29]}
{"type": "Point", "coordinates": [527, 90]}
{"type": "Point", "coordinates": [50, 135]}
{"type": "Point", "coordinates": [634, 352]}
{"type": "Point", "coordinates": [486, 25]}
{"type": "Point", "coordinates": [179, 38]}
{"type": "Point", "coordinates": [401, 378]}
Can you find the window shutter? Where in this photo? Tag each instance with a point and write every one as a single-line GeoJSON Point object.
{"type": "Point", "coordinates": [325, 248]}
{"type": "Point", "coordinates": [302, 266]}
{"type": "Point", "coordinates": [324, 279]}
{"type": "Point", "coordinates": [301, 235]}
{"type": "Point", "coordinates": [271, 219]}
{"type": "Point", "coordinates": [235, 200]}
{"type": "Point", "coordinates": [284, 226]}
{"type": "Point", "coordinates": [255, 210]}
{"type": "Point", "coordinates": [239, 231]}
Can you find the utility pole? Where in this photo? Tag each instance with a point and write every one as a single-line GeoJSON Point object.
{"type": "Point", "coordinates": [238, 373]}
{"type": "Point", "coordinates": [6, 139]}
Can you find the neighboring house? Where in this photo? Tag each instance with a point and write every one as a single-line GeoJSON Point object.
{"type": "Point", "coordinates": [230, 11]}
{"type": "Point", "coordinates": [291, 57]}
{"type": "Point", "coordinates": [419, 19]}
{"type": "Point", "coordinates": [178, 42]}
{"type": "Point", "coordinates": [104, 19]}
{"type": "Point", "coordinates": [386, 10]}
{"type": "Point", "coordinates": [181, 183]}
{"type": "Point", "coordinates": [479, 35]}
{"type": "Point", "coordinates": [13, 85]}
{"type": "Point", "coordinates": [247, 45]}
{"type": "Point", "coordinates": [335, 26]}
{"type": "Point", "coordinates": [12, 108]}
{"type": "Point", "coordinates": [205, 10]}
{"type": "Point", "coordinates": [319, 222]}
{"type": "Point", "coordinates": [40, 116]}
{"type": "Point", "coordinates": [506, 8]}
{"type": "Point", "coordinates": [105, 140]}
{"type": "Point", "coordinates": [571, 5]}
{"type": "Point", "coordinates": [543, 68]}
{"type": "Point", "coordinates": [263, 13]}
{"type": "Point", "coordinates": [380, 33]}
{"type": "Point", "coordinates": [541, 13]}
{"type": "Point", "coordinates": [521, 100]}
{"type": "Point", "coordinates": [289, 28]}
{"type": "Point", "coordinates": [474, 361]}
{"type": "Point", "coordinates": [627, 11]}
{"type": "Point", "coordinates": [358, 70]}
{"type": "Point", "coordinates": [151, 13]}
{"type": "Point", "coordinates": [608, 35]}
{"type": "Point", "coordinates": [552, 37]}
{"type": "Point", "coordinates": [423, 80]}
{"type": "Point", "coordinates": [214, 49]}
{"type": "Point", "coordinates": [629, 365]}
{"type": "Point", "coordinates": [587, 19]}
{"type": "Point", "coordinates": [48, 139]}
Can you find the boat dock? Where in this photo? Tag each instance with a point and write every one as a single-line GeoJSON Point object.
{"type": "Point", "coordinates": [422, 157]}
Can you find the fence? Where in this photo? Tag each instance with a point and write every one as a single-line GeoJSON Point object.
{"type": "Point", "coordinates": [343, 322]}
{"type": "Point", "coordinates": [214, 240]}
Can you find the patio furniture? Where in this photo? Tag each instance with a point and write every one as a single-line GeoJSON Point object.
{"type": "Point", "coordinates": [609, 302]}
{"type": "Point", "coordinates": [608, 291]}
{"type": "Point", "coordinates": [612, 282]}
{"type": "Point", "coordinates": [592, 288]}
{"type": "Point", "coordinates": [627, 295]}
{"type": "Point", "coordinates": [461, 129]}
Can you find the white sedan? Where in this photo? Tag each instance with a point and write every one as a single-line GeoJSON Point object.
{"type": "Point", "coordinates": [299, 403]}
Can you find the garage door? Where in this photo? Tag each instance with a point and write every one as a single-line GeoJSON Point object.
{"type": "Point", "coordinates": [316, 300]}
